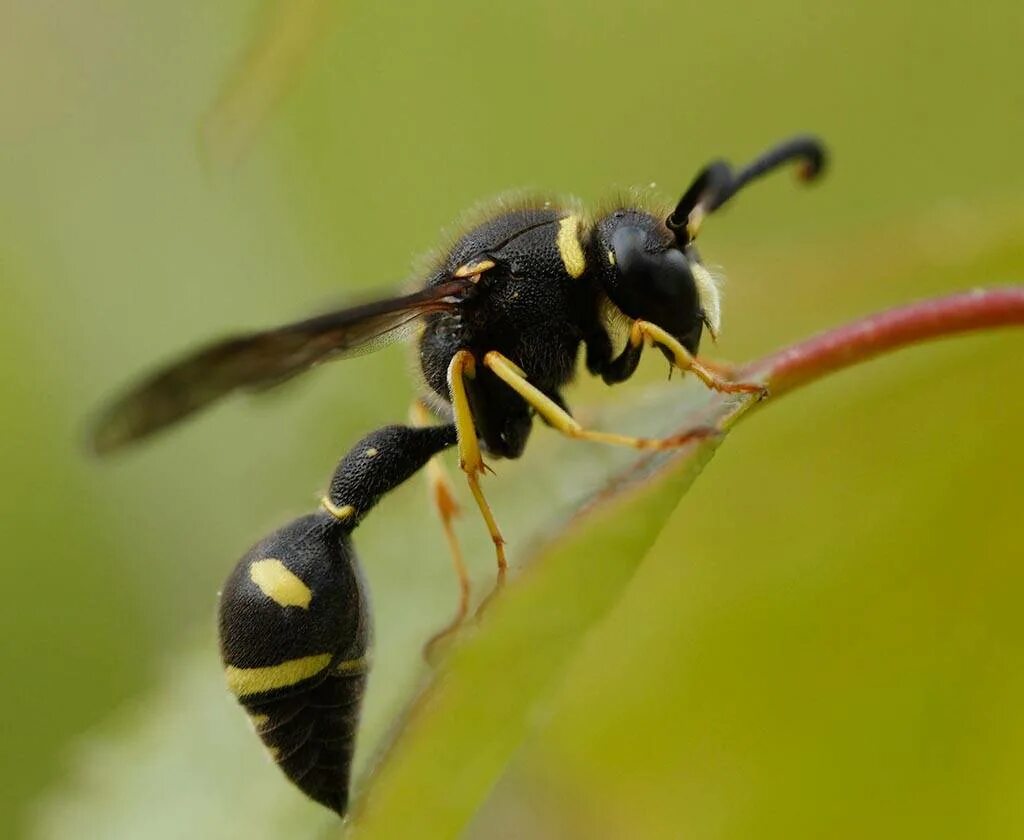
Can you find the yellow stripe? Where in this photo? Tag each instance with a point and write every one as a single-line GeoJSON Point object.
{"type": "Point", "coordinates": [350, 665]}
{"type": "Point", "coordinates": [569, 247]}
{"type": "Point", "coordinates": [710, 297]}
{"type": "Point", "coordinates": [472, 269]}
{"type": "Point", "coordinates": [279, 583]}
{"type": "Point", "coordinates": [343, 512]}
{"type": "Point", "coordinates": [245, 681]}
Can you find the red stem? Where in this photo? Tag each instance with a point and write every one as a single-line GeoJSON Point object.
{"type": "Point", "coordinates": [860, 340]}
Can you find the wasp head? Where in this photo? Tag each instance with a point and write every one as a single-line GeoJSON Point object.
{"type": "Point", "coordinates": [650, 276]}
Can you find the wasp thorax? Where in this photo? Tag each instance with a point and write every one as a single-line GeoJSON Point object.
{"type": "Point", "coordinates": [648, 277]}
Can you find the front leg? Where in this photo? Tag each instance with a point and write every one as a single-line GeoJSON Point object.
{"type": "Point", "coordinates": [624, 365]}
{"type": "Point", "coordinates": [642, 331]}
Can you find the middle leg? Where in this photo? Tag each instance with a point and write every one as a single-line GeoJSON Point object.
{"type": "Point", "coordinates": [462, 367]}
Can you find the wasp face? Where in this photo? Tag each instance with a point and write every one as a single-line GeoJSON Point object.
{"type": "Point", "coordinates": [650, 277]}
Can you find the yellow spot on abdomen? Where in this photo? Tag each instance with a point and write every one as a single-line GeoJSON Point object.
{"type": "Point", "coordinates": [372, 452]}
{"type": "Point", "coordinates": [569, 247]}
{"type": "Point", "coordinates": [245, 681]}
{"type": "Point", "coordinates": [279, 583]}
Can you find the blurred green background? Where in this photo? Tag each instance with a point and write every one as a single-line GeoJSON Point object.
{"type": "Point", "coordinates": [825, 641]}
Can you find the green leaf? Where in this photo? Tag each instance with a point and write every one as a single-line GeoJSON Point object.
{"type": "Point", "coordinates": [464, 728]}
{"type": "Point", "coordinates": [186, 763]}
{"type": "Point", "coordinates": [461, 732]}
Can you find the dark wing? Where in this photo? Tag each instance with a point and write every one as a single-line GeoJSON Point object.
{"type": "Point", "coordinates": [260, 360]}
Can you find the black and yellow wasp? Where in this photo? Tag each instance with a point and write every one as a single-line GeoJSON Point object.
{"type": "Point", "coordinates": [499, 324]}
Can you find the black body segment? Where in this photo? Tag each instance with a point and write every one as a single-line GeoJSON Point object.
{"type": "Point", "coordinates": [295, 623]}
{"type": "Point", "coordinates": [383, 460]}
{"type": "Point", "coordinates": [295, 629]}
{"type": "Point", "coordinates": [312, 735]}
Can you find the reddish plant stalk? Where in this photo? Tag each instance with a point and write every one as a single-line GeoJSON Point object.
{"type": "Point", "coordinates": [867, 337]}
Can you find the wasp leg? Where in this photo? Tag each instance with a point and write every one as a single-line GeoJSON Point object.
{"type": "Point", "coordinates": [439, 486]}
{"type": "Point", "coordinates": [471, 462]}
{"type": "Point", "coordinates": [557, 417]}
{"type": "Point", "coordinates": [646, 331]}
{"type": "Point", "coordinates": [719, 367]}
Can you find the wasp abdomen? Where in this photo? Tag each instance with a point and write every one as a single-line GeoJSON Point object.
{"type": "Point", "coordinates": [295, 619]}
{"type": "Point", "coordinates": [312, 735]}
{"type": "Point", "coordinates": [295, 629]}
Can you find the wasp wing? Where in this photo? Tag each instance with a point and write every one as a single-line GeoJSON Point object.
{"type": "Point", "coordinates": [263, 359]}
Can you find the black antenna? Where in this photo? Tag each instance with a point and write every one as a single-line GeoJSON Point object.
{"type": "Point", "coordinates": [716, 183]}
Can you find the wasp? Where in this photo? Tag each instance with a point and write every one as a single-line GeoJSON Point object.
{"type": "Point", "coordinates": [498, 326]}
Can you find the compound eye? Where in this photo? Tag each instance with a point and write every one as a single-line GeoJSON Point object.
{"type": "Point", "coordinates": [659, 272]}
{"type": "Point", "coordinates": [631, 255]}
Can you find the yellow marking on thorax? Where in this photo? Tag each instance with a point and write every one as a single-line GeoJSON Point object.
{"type": "Point", "coordinates": [569, 247]}
{"type": "Point", "coordinates": [341, 512]}
{"type": "Point", "coordinates": [245, 681]}
{"type": "Point", "coordinates": [259, 721]}
{"type": "Point", "coordinates": [279, 583]}
{"type": "Point", "coordinates": [473, 269]}
{"type": "Point", "coordinates": [350, 666]}
{"type": "Point", "coordinates": [372, 452]}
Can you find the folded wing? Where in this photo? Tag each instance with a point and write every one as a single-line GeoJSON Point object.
{"type": "Point", "coordinates": [260, 360]}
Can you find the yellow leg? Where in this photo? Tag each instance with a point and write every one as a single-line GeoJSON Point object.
{"type": "Point", "coordinates": [471, 462]}
{"type": "Point", "coordinates": [684, 360]}
{"type": "Point", "coordinates": [560, 419]}
{"type": "Point", "coordinates": [443, 496]}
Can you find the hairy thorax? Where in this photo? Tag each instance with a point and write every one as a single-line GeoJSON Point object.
{"type": "Point", "coordinates": [529, 307]}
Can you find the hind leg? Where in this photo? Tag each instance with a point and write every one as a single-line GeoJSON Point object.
{"type": "Point", "coordinates": [442, 495]}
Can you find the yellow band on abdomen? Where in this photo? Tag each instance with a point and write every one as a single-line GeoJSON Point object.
{"type": "Point", "coordinates": [245, 681]}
